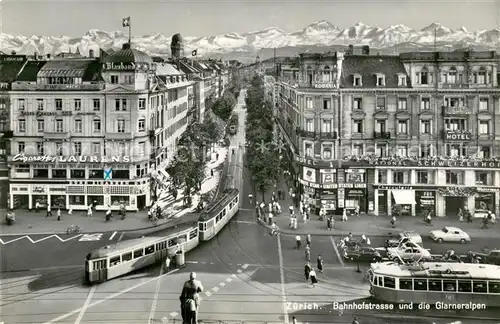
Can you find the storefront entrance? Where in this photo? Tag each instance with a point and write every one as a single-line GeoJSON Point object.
{"type": "Point", "coordinates": [141, 202]}
{"type": "Point", "coordinates": [454, 204]}
{"type": "Point", "coordinates": [382, 202]}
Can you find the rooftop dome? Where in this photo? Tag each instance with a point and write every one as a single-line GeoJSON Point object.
{"type": "Point", "coordinates": [128, 55]}
{"type": "Point", "coordinates": [177, 38]}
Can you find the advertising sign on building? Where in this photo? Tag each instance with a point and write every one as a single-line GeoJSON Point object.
{"type": "Point", "coordinates": [69, 159]}
{"type": "Point", "coordinates": [309, 174]}
{"type": "Point", "coordinates": [458, 136]}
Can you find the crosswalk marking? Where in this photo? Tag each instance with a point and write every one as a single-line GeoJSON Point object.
{"type": "Point", "coordinates": [27, 237]}
{"type": "Point", "coordinates": [91, 237]}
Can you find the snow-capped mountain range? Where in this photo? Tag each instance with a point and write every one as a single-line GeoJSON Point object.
{"type": "Point", "coordinates": [320, 33]}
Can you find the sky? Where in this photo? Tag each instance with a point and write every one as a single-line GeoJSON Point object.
{"type": "Point", "coordinates": [212, 17]}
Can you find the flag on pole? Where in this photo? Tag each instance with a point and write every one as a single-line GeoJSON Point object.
{"type": "Point", "coordinates": [126, 22]}
{"type": "Point", "coordinates": [194, 52]}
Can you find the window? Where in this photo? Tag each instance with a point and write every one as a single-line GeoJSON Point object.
{"type": "Point", "coordinates": [425, 150]}
{"type": "Point", "coordinates": [399, 176]}
{"type": "Point", "coordinates": [381, 150]}
{"type": "Point", "coordinates": [420, 284]}
{"type": "Point", "coordinates": [114, 79]}
{"type": "Point", "coordinates": [455, 124]}
{"type": "Point", "coordinates": [455, 150]}
{"type": "Point", "coordinates": [309, 103]}
{"type": "Point", "coordinates": [435, 285]}
{"type": "Point", "coordinates": [114, 261]}
{"type": "Point", "coordinates": [405, 284]}
{"type": "Point", "coordinates": [40, 125]}
{"type": "Point", "coordinates": [78, 126]}
{"type": "Point", "coordinates": [326, 126]}
{"type": "Point", "coordinates": [402, 104]}
{"type": "Point", "coordinates": [494, 287]}
{"type": "Point", "coordinates": [389, 282]}
{"type": "Point", "coordinates": [308, 149]}
{"type": "Point", "coordinates": [481, 76]}
{"type": "Point", "coordinates": [423, 177]}
{"type": "Point", "coordinates": [96, 148]}
{"type": "Point", "coordinates": [78, 104]}
{"type": "Point", "coordinates": [21, 104]}
{"type": "Point", "coordinates": [357, 104]}
{"type": "Point", "coordinates": [141, 149]}
{"type": "Point", "coordinates": [424, 77]}
{"type": "Point", "coordinates": [358, 126]}
{"type": "Point", "coordinates": [129, 79]}
{"type": "Point", "coordinates": [403, 126]}
{"type": "Point", "coordinates": [380, 103]}
{"type": "Point", "coordinates": [479, 286]}
{"type": "Point", "coordinates": [138, 253]}
{"type": "Point", "coordinates": [327, 104]}
{"type": "Point", "coordinates": [59, 148]}
{"type": "Point", "coordinates": [40, 148]}
{"type": "Point", "coordinates": [464, 286]}
{"type": "Point", "coordinates": [96, 125]}
{"type": "Point", "coordinates": [39, 104]}
{"type": "Point", "coordinates": [310, 125]}
{"type": "Point", "coordinates": [454, 177]}
{"type": "Point", "coordinates": [117, 104]}
{"type": "Point", "coordinates": [380, 125]}
{"type": "Point", "coordinates": [380, 80]}
{"type": "Point", "coordinates": [142, 104]}
{"type": "Point", "coordinates": [357, 81]}
{"type": "Point", "coordinates": [21, 126]}
{"type": "Point", "coordinates": [452, 75]}
{"type": "Point", "coordinates": [59, 126]}
{"type": "Point", "coordinates": [484, 152]}
{"type": "Point", "coordinates": [149, 249]}
{"type": "Point", "coordinates": [382, 176]}
{"type": "Point", "coordinates": [142, 125]}
{"type": "Point", "coordinates": [402, 150]}
{"type": "Point", "coordinates": [358, 149]}
{"type": "Point", "coordinates": [127, 257]}
{"type": "Point", "coordinates": [124, 104]}
{"type": "Point", "coordinates": [77, 148]}
{"type": "Point", "coordinates": [120, 126]}
{"type": "Point", "coordinates": [401, 80]}
{"type": "Point", "coordinates": [425, 127]}
{"type": "Point", "coordinates": [425, 103]}
{"type": "Point", "coordinates": [96, 104]}
{"type": "Point", "coordinates": [21, 146]}
{"type": "Point", "coordinates": [326, 76]}
{"type": "Point", "coordinates": [59, 104]}
{"type": "Point", "coordinates": [327, 152]}
{"type": "Point", "coordinates": [484, 127]}
{"type": "Point", "coordinates": [483, 104]}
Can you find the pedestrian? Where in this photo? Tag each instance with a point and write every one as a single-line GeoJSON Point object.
{"type": "Point", "coordinates": [37, 206]}
{"type": "Point", "coordinates": [356, 210]}
{"type": "Point", "coordinates": [294, 320]}
{"type": "Point", "coordinates": [344, 215]}
{"type": "Point", "coordinates": [70, 211]}
{"type": "Point", "coordinates": [393, 221]}
{"type": "Point", "coordinates": [49, 211]}
{"type": "Point", "coordinates": [460, 215]}
{"type": "Point", "coordinates": [89, 212]}
{"type": "Point", "coordinates": [59, 214]}
{"type": "Point", "coordinates": [290, 209]}
{"type": "Point", "coordinates": [355, 321]}
{"type": "Point", "coordinates": [308, 253]}
{"type": "Point", "coordinates": [304, 217]}
{"type": "Point", "coordinates": [329, 224]}
{"type": "Point", "coordinates": [274, 196]}
{"type": "Point", "coordinates": [307, 270]}
{"type": "Point", "coordinates": [250, 198]}
{"type": "Point", "coordinates": [191, 290]}
{"type": "Point", "coordinates": [298, 242]}
{"type": "Point", "coordinates": [319, 263]}
{"type": "Point", "coordinates": [312, 275]}
{"type": "Point", "coordinates": [217, 156]}
{"type": "Point", "coordinates": [167, 264]}
{"type": "Point", "coordinates": [308, 239]}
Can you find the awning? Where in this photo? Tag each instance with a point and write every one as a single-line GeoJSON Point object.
{"type": "Point", "coordinates": [404, 197]}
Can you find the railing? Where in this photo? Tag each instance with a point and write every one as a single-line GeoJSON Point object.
{"type": "Point", "coordinates": [304, 133]}
{"type": "Point", "coordinates": [382, 135]}
{"type": "Point", "coordinates": [458, 110]}
{"type": "Point", "coordinates": [455, 85]}
{"type": "Point", "coordinates": [58, 87]}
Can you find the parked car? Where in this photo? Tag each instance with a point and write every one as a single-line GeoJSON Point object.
{"type": "Point", "coordinates": [449, 234]}
{"type": "Point", "coordinates": [492, 257]}
{"type": "Point", "coordinates": [412, 236]}
{"type": "Point", "coordinates": [481, 213]}
{"type": "Point", "coordinates": [366, 253]}
{"type": "Point", "coordinates": [408, 253]}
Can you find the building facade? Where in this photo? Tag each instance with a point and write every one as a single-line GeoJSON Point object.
{"type": "Point", "coordinates": [409, 134]}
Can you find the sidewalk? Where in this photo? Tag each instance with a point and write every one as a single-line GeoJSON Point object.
{"type": "Point", "coordinates": [36, 223]}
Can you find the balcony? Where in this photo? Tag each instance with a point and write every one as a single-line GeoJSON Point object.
{"type": "Point", "coordinates": [328, 135]}
{"type": "Point", "coordinates": [119, 136]}
{"type": "Point", "coordinates": [382, 135]}
{"type": "Point", "coordinates": [56, 136]}
{"type": "Point", "coordinates": [455, 86]}
{"type": "Point", "coordinates": [58, 87]}
{"type": "Point", "coordinates": [304, 133]}
{"type": "Point", "coordinates": [456, 135]}
{"type": "Point", "coordinates": [456, 111]}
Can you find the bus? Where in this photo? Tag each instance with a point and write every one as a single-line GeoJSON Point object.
{"type": "Point", "coordinates": [435, 283]}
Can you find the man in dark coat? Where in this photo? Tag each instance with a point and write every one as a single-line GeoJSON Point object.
{"type": "Point", "coordinates": [190, 292]}
{"type": "Point", "coordinates": [307, 270]}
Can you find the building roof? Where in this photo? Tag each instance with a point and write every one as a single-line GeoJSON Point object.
{"type": "Point", "coordinates": [201, 66]}
{"type": "Point", "coordinates": [449, 56]}
{"type": "Point", "coordinates": [128, 55]}
{"type": "Point", "coordinates": [30, 70]}
{"type": "Point", "coordinates": [368, 67]}
{"type": "Point", "coordinates": [187, 67]}
{"type": "Point", "coordinates": [71, 68]}
{"type": "Point", "coordinates": [167, 69]}
{"type": "Point", "coordinates": [10, 70]}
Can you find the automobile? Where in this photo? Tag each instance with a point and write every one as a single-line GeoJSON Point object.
{"type": "Point", "coordinates": [412, 236]}
{"type": "Point", "coordinates": [481, 213]}
{"type": "Point", "coordinates": [492, 257]}
{"type": "Point", "coordinates": [449, 234]}
{"type": "Point", "coordinates": [232, 129]}
{"type": "Point", "coordinates": [366, 253]}
{"type": "Point", "coordinates": [408, 253]}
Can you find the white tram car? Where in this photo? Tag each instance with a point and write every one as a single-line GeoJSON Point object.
{"type": "Point", "coordinates": [124, 257]}
{"type": "Point", "coordinates": [435, 282]}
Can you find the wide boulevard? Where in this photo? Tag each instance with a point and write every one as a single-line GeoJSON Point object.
{"type": "Point", "coordinates": [249, 276]}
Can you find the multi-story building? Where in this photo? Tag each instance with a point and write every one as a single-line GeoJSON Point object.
{"type": "Point", "coordinates": [86, 129]}
{"type": "Point", "coordinates": [417, 131]}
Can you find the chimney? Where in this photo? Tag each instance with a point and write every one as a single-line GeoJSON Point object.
{"type": "Point", "coordinates": [350, 50]}
{"type": "Point", "coordinates": [36, 56]}
{"type": "Point", "coordinates": [48, 56]}
{"type": "Point", "coordinates": [365, 50]}
{"type": "Point", "coordinates": [91, 53]}
{"type": "Point", "coordinates": [126, 46]}
{"type": "Point", "coordinates": [13, 53]}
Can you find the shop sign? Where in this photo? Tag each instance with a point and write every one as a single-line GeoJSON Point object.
{"type": "Point", "coordinates": [455, 136]}
{"type": "Point", "coordinates": [69, 159]}
{"type": "Point", "coordinates": [324, 85]}
{"type": "Point", "coordinates": [56, 113]}
{"type": "Point", "coordinates": [318, 186]}
{"type": "Point", "coordinates": [38, 189]}
{"type": "Point", "coordinates": [479, 189]}
{"type": "Point", "coordinates": [449, 163]}
{"type": "Point", "coordinates": [57, 189]}
{"type": "Point", "coordinates": [383, 187]}
{"type": "Point", "coordinates": [12, 58]}
{"type": "Point", "coordinates": [352, 185]}
{"type": "Point", "coordinates": [111, 66]}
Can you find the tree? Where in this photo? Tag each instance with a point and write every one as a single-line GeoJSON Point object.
{"type": "Point", "coordinates": [223, 107]}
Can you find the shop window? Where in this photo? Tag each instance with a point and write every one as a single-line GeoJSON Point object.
{"type": "Point", "coordinates": [95, 200]}
{"type": "Point", "coordinates": [77, 174]}
{"type": "Point", "coordinates": [59, 173]}
{"type": "Point", "coordinates": [355, 176]}
{"type": "Point", "coordinates": [120, 200]}
{"type": "Point", "coordinates": [76, 200]}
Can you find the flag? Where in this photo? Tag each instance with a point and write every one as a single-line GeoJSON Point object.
{"type": "Point", "coordinates": [194, 52]}
{"type": "Point", "coordinates": [126, 22]}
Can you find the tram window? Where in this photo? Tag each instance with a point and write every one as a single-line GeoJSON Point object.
{"type": "Point", "coordinates": [127, 257]}
{"type": "Point", "coordinates": [138, 253]}
{"type": "Point", "coordinates": [420, 284]}
{"type": "Point", "coordinates": [114, 261]}
{"type": "Point", "coordinates": [193, 234]}
{"type": "Point", "coordinates": [150, 249]}
{"type": "Point", "coordinates": [449, 285]}
{"type": "Point", "coordinates": [494, 287]}
{"type": "Point", "coordinates": [378, 281]}
{"type": "Point", "coordinates": [182, 238]}
{"type": "Point", "coordinates": [405, 284]}
{"type": "Point", "coordinates": [98, 265]}
{"type": "Point", "coordinates": [479, 286]}
{"type": "Point", "coordinates": [236, 199]}
{"type": "Point", "coordinates": [219, 217]}
{"type": "Point", "coordinates": [224, 212]}
{"type": "Point", "coordinates": [202, 226]}
{"type": "Point", "coordinates": [464, 286]}
{"type": "Point", "coordinates": [435, 285]}
{"type": "Point", "coordinates": [389, 282]}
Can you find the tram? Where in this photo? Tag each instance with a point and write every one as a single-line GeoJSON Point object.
{"type": "Point", "coordinates": [183, 233]}
{"type": "Point", "coordinates": [435, 283]}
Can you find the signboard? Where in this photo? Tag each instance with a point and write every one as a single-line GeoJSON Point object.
{"type": "Point", "coordinates": [332, 185]}
{"type": "Point", "coordinates": [12, 58]}
{"type": "Point", "coordinates": [309, 174]}
{"type": "Point", "coordinates": [69, 159]}
{"type": "Point", "coordinates": [108, 173]}
{"type": "Point", "coordinates": [457, 136]}
{"type": "Point", "coordinates": [324, 85]}
{"type": "Point", "coordinates": [55, 113]}
{"type": "Point", "coordinates": [129, 66]}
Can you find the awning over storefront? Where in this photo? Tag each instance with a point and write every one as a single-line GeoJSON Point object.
{"type": "Point", "coordinates": [404, 197]}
